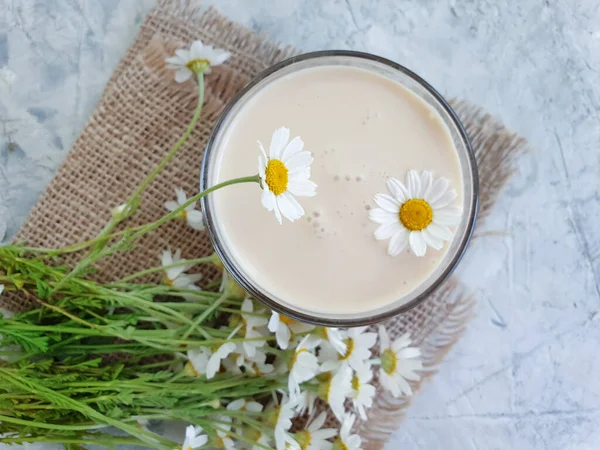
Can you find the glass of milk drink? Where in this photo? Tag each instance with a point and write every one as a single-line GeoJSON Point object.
{"type": "Point", "coordinates": [365, 120]}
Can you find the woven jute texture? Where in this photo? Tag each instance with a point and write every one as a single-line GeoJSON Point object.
{"type": "Point", "coordinates": [143, 112]}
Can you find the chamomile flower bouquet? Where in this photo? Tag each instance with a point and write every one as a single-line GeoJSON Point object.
{"type": "Point", "coordinates": [95, 363]}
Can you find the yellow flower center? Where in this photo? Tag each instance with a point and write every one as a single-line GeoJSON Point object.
{"type": "Point", "coordinates": [286, 320]}
{"type": "Point", "coordinates": [295, 358]}
{"type": "Point", "coordinates": [198, 65]}
{"type": "Point", "coordinates": [339, 445]}
{"type": "Point", "coordinates": [190, 370]}
{"type": "Point", "coordinates": [324, 389]}
{"type": "Point", "coordinates": [415, 214]}
{"type": "Point", "coordinates": [182, 215]}
{"type": "Point", "coordinates": [253, 434]}
{"type": "Point", "coordinates": [257, 371]}
{"type": "Point", "coordinates": [303, 438]}
{"type": "Point", "coordinates": [349, 349]}
{"type": "Point", "coordinates": [389, 361]}
{"type": "Point", "coordinates": [355, 383]}
{"type": "Point", "coordinates": [276, 176]}
{"type": "Point", "coordinates": [166, 280]}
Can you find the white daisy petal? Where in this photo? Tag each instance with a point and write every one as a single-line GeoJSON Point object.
{"type": "Point", "coordinates": [279, 140]}
{"type": "Point", "coordinates": [183, 75]}
{"type": "Point", "coordinates": [214, 362]}
{"type": "Point", "coordinates": [387, 230]}
{"type": "Point", "coordinates": [302, 188]}
{"type": "Point", "coordinates": [262, 150]}
{"type": "Point", "coordinates": [384, 338]}
{"type": "Point", "coordinates": [413, 184]}
{"type": "Point", "coordinates": [426, 183]}
{"type": "Point", "coordinates": [398, 242]}
{"type": "Point", "coordinates": [299, 160]}
{"type": "Point", "coordinates": [408, 352]}
{"type": "Point", "coordinates": [387, 203]}
{"type": "Point", "coordinates": [171, 205]}
{"type": "Point", "coordinates": [197, 50]}
{"type": "Point", "coordinates": [220, 58]}
{"type": "Point", "coordinates": [430, 240]}
{"type": "Point", "coordinates": [438, 188]}
{"type": "Point", "coordinates": [181, 197]}
{"type": "Point", "coordinates": [278, 214]}
{"type": "Point", "coordinates": [167, 258]}
{"type": "Point", "coordinates": [262, 168]}
{"type": "Point", "coordinates": [439, 232]}
{"type": "Point", "coordinates": [447, 217]}
{"type": "Point", "coordinates": [381, 216]}
{"type": "Point", "coordinates": [447, 198]}
{"type": "Point", "coordinates": [294, 147]}
{"type": "Point", "coordinates": [289, 206]}
{"type": "Point", "coordinates": [417, 243]}
{"type": "Point", "coordinates": [268, 200]}
{"type": "Point", "coordinates": [300, 173]}
{"type": "Point", "coordinates": [175, 61]}
{"type": "Point", "coordinates": [397, 189]}
{"type": "Point", "coordinates": [184, 55]}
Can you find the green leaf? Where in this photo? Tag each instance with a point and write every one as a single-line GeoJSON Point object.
{"type": "Point", "coordinates": [43, 289]}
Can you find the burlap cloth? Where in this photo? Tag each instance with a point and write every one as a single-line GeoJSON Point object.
{"type": "Point", "coordinates": [141, 114]}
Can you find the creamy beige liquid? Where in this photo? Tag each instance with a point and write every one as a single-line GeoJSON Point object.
{"type": "Point", "coordinates": [361, 129]}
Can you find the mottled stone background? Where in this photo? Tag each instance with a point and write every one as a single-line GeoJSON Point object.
{"type": "Point", "coordinates": [527, 373]}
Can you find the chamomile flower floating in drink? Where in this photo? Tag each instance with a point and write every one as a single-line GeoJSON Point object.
{"type": "Point", "coordinates": [284, 175]}
{"type": "Point", "coordinates": [190, 214]}
{"type": "Point", "coordinates": [398, 363]}
{"type": "Point", "coordinates": [194, 438]}
{"type": "Point", "coordinates": [198, 59]}
{"type": "Point", "coordinates": [416, 214]}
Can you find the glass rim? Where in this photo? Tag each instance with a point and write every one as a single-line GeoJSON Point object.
{"type": "Point", "coordinates": [369, 319]}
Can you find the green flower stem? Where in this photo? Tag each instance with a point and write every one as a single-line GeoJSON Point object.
{"type": "Point", "coordinates": [154, 225]}
{"type": "Point", "coordinates": [178, 145]}
{"type": "Point", "coordinates": [131, 204]}
{"type": "Point", "coordinates": [50, 426]}
{"type": "Point", "coordinates": [237, 311]}
{"type": "Point", "coordinates": [66, 402]}
{"type": "Point", "coordinates": [107, 441]}
{"type": "Point", "coordinates": [95, 256]}
{"type": "Point", "coordinates": [204, 315]}
{"type": "Point", "coordinates": [206, 259]}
